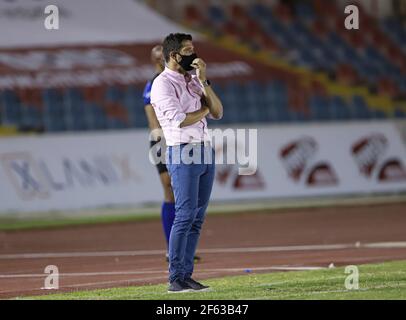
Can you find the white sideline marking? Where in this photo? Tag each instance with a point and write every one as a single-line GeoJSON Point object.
{"type": "Point", "coordinates": [80, 274]}
{"type": "Point", "coordinates": [400, 244]}
{"type": "Point", "coordinates": [103, 283]}
{"type": "Point", "coordinates": [120, 273]}
{"type": "Point", "coordinates": [278, 248]}
{"type": "Point", "coordinates": [356, 245]}
{"type": "Point", "coordinates": [91, 284]}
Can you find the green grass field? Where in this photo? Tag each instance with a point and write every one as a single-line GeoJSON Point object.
{"type": "Point", "coordinates": [58, 222]}
{"type": "Point", "coordinates": [376, 281]}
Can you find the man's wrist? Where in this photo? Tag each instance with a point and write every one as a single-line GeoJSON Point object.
{"type": "Point", "coordinates": [206, 110]}
{"type": "Point", "coordinates": [205, 82]}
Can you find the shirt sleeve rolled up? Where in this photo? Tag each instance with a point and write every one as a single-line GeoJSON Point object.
{"type": "Point", "coordinates": [164, 98]}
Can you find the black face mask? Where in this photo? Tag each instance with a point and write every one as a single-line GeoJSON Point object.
{"type": "Point", "coordinates": [186, 61]}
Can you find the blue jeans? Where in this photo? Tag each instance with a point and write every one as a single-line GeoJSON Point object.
{"type": "Point", "coordinates": [192, 184]}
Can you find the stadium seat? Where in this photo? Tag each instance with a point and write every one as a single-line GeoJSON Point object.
{"type": "Point", "coordinates": [31, 118]}
{"type": "Point", "coordinates": [280, 114]}
{"type": "Point", "coordinates": [114, 93]}
{"type": "Point", "coordinates": [54, 123]}
{"type": "Point", "coordinates": [320, 108]}
{"type": "Point", "coordinates": [400, 114]}
{"type": "Point", "coordinates": [114, 123]}
{"type": "Point", "coordinates": [377, 114]}
{"type": "Point", "coordinates": [295, 33]}
{"type": "Point", "coordinates": [134, 105]}
{"type": "Point", "coordinates": [339, 109]}
{"type": "Point", "coordinates": [97, 117]}
{"type": "Point", "coordinates": [304, 11]}
{"type": "Point", "coordinates": [360, 109]}
{"type": "Point", "coordinates": [10, 108]}
{"type": "Point", "coordinates": [216, 15]}
{"type": "Point", "coordinates": [140, 120]}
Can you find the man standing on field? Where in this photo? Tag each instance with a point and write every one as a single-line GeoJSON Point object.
{"type": "Point", "coordinates": [181, 102]}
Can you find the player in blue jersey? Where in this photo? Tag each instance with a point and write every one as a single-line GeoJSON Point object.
{"type": "Point", "coordinates": [168, 205]}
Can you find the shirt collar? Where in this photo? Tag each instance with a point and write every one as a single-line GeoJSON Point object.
{"type": "Point", "coordinates": [178, 75]}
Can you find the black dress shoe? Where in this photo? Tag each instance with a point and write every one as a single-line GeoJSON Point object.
{"type": "Point", "coordinates": [196, 286]}
{"type": "Point", "coordinates": [178, 286]}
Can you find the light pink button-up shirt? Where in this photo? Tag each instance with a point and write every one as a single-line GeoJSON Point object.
{"type": "Point", "coordinates": [172, 96]}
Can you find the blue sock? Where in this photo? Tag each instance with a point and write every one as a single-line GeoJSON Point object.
{"type": "Point", "coordinates": [167, 215]}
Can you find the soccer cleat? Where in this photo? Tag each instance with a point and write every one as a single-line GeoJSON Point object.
{"type": "Point", "coordinates": [178, 286]}
{"type": "Point", "coordinates": [196, 286]}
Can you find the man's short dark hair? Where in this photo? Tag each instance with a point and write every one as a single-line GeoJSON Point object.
{"type": "Point", "coordinates": [173, 42]}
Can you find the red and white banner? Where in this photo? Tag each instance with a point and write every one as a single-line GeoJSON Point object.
{"type": "Point", "coordinates": [103, 65]}
{"type": "Point", "coordinates": [76, 171]}
{"type": "Point", "coordinates": [99, 43]}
